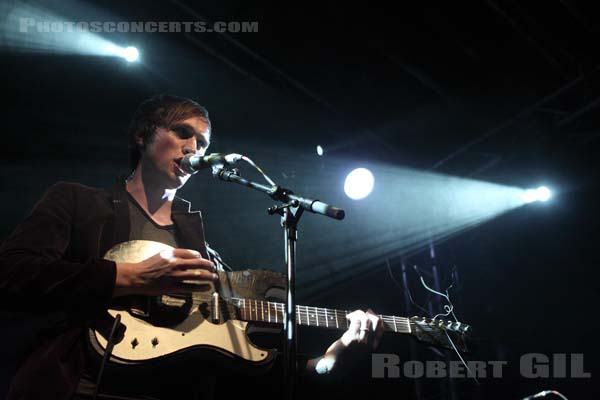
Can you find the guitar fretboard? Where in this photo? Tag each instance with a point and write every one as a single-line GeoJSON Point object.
{"type": "Point", "coordinates": [271, 312]}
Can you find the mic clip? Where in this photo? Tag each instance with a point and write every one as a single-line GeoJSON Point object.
{"type": "Point", "coordinates": [220, 171]}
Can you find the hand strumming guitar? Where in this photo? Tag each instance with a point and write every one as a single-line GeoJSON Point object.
{"type": "Point", "coordinates": [165, 272]}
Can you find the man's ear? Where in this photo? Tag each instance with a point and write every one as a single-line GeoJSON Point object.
{"type": "Point", "coordinates": [139, 141]}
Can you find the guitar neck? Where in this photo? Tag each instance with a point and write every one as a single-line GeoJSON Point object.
{"type": "Point", "coordinates": [274, 313]}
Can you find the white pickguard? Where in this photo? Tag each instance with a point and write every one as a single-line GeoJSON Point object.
{"type": "Point", "coordinates": [195, 330]}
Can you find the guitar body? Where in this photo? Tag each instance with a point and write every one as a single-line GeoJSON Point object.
{"type": "Point", "coordinates": [179, 329]}
{"type": "Point", "coordinates": [209, 327]}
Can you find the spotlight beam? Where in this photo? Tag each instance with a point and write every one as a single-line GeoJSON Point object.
{"type": "Point", "coordinates": [19, 32]}
{"type": "Point", "coordinates": [410, 209]}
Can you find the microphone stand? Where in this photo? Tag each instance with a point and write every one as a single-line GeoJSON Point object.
{"type": "Point", "coordinates": [289, 222]}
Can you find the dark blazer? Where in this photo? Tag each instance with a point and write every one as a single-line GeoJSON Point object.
{"type": "Point", "coordinates": [51, 269]}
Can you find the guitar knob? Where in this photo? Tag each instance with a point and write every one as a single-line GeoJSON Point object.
{"type": "Point", "coordinates": [154, 342]}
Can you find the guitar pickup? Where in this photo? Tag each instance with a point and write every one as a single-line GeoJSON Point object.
{"type": "Point", "coordinates": [172, 301]}
{"type": "Point", "coordinates": [140, 307]}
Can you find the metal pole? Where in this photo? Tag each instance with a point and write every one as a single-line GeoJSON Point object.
{"type": "Point", "coordinates": [436, 285]}
{"type": "Point", "coordinates": [412, 344]}
{"type": "Point", "coordinates": [289, 355]}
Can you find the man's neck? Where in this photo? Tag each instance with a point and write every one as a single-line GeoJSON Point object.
{"type": "Point", "coordinates": [151, 196]}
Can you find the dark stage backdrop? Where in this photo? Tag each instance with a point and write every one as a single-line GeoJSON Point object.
{"type": "Point", "coordinates": [495, 91]}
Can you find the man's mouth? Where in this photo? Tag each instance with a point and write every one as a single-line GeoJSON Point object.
{"type": "Point", "coordinates": [178, 170]}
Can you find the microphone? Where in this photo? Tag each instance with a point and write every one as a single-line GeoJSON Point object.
{"type": "Point", "coordinates": [193, 163]}
{"type": "Point", "coordinates": [543, 393]}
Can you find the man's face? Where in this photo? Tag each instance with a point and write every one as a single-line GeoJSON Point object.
{"type": "Point", "coordinates": [161, 157]}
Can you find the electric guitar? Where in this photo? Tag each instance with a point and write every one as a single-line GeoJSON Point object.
{"type": "Point", "coordinates": [212, 323]}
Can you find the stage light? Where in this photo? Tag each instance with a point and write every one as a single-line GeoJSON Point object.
{"type": "Point", "coordinates": [540, 194]}
{"type": "Point", "coordinates": [22, 29]}
{"type": "Point", "coordinates": [359, 183]}
{"type": "Point", "coordinates": [319, 150]}
{"type": "Point", "coordinates": [543, 193]}
{"type": "Point", "coordinates": [131, 54]}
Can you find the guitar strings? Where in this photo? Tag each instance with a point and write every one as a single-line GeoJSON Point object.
{"type": "Point", "coordinates": [322, 316]}
{"type": "Point", "coordinates": [319, 313]}
{"type": "Point", "coordinates": [280, 307]}
{"type": "Point", "coordinates": [258, 306]}
{"type": "Point", "coordinates": [316, 311]}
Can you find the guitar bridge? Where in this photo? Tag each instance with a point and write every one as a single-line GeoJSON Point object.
{"type": "Point", "coordinates": [214, 308]}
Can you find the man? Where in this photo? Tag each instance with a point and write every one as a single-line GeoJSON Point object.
{"type": "Point", "coordinates": [52, 265]}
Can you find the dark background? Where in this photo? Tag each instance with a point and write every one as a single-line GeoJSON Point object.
{"type": "Point", "coordinates": [498, 90]}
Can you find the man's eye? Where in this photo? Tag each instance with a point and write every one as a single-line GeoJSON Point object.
{"type": "Point", "coordinates": [183, 133]}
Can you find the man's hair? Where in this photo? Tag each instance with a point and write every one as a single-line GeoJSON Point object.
{"type": "Point", "coordinates": [160, 111]}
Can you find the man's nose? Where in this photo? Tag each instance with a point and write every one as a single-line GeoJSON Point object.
{"type": "Point", "coordinates": [189, 147]}
{"type": "Point", "coordinates": [191, 150]}
{"type": "Point", "coordinates": [188, 150]}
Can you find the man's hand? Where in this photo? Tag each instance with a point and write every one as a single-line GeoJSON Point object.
{"type": "Point", "coordinates": [363, 336]}
{"type": "Point", "coordinates": [163, 273]}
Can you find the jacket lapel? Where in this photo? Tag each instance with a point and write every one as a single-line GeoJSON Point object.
{"type": "Point", "coordinates": [189, 225]}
